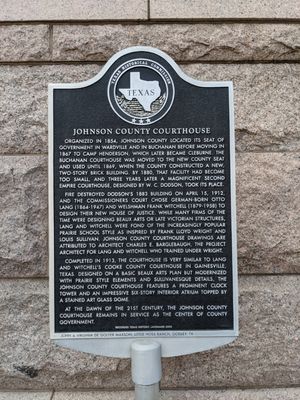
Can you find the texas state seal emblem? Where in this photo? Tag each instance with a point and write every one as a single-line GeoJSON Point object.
{"type": "Point", "coordinates": [141, 91]}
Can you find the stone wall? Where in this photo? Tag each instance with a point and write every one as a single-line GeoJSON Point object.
{"type": "Point", "coordinates": [254, 44]}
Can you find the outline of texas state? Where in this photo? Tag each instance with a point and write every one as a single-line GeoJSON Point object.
{"type": "Point", "coordinates": [146, 92]}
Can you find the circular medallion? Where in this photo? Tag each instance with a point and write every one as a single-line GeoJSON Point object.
{"type": "Point", "coordinates": [141, 91]}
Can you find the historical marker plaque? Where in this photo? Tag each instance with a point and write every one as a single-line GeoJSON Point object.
{"type": "Point", "coordinates": [142, 203]}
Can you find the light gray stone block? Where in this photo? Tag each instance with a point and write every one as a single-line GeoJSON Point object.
{"type": "Point", "coordinates": [28, 359]}
{"type": "Point", "coordinates": [226, 394]}
{"type": "Point", "coordinates": [265, 103]}
{"type": "Point", "coordinates": [231, 9]}
{"type": "Point", "coordinates": [235, 394]}
{"type": "Point", "coordinates": [24, 43]}
{"type": "Point", "coordinates": [125, 395]}
{"type": "Point", "coordinates": [44, 10]}
{"type": "Point", "coordinates": [265, 355]}
{"type": "Point", "coordinates": [183, 42]}
{"type": "Point", "coordinates": [23, 216]}
{"type": "Point", "coordinates": [24, 104]}
{"type": "Point", "coordinates": [268, 210]}
{"type": "Point", "coordinates": [26, 395]}
{"type": "Point", "coordinates": [229, 394]}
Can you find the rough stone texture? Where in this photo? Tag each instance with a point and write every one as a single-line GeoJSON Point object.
{"type": "Point", "coordinates": [27, 358]}
{"type": "Point", "coordinates": [267, 353]}
{"type": "Point", "coordinates": [218, 9]}
{"type": "Point", "coordinates": [24, 103]}
{"type": "Point", "coordinates": [184, 42]}
{"type": "Point", "coordinates": [268, 209]}
{"type": "Point", "coordinates": [23, 216]}
{"type": "Point", "coordinates": [22, 395]}
{"type": "Point", "coordinates": [44, 10]}
{"type": "Point", "coordinates": [24, 43]}
{"type": "Point", "coordinates": [94, 395]}
{"type": "Point", "coordinates": [265, 100]}
{"type": "Point", "coordinates": [262, 394]}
